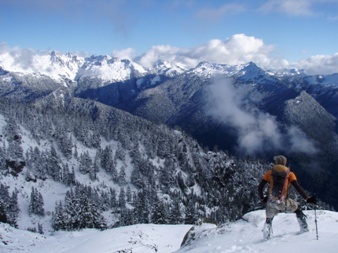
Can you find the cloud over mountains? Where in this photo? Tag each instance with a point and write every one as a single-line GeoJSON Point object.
{"type": "Point", "coordinates": [237, 49]}
{"type": "Point", "coordinates": [258, 132]}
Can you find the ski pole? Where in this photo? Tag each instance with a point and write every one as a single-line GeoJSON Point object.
{"type": "Point", "coordinates": [316, 221]}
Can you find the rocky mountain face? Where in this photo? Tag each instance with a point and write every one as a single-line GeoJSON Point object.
{"type": "Point", "coordinates": [243, 109]}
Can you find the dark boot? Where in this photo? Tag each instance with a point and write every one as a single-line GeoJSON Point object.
{"type": "Point", "coordinates": [267, 229]}
{"type": "Point", "coordinates": [301, 218]}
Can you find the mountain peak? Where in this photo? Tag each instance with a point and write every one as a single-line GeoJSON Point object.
{"type": "Point", "coordinates": [2, 71]}
{"type": "Point", "coordinates": [251, 68]}
{"type": "Point", "coordinates": [163, 67]}
{"type": "Point", "coordinates": [245, 71]}
{"type": "Point", "coordinates": [110, 69]}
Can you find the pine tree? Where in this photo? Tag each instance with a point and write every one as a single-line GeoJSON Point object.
{"type": "Point", "coordinates": [120, 153]}
{"type": "Point", "coordinates": [106, 158]}
{"type": "Point", "coordinates": [13, 208]}
{"type": "Point", "coordinates": [3, 213]}
{"type": "Point", "coordinates": [191, 215]}
{"type": "Point", "coordinates": [142, 208]}
{"type": "Point", "coordinates": [4, 200]}
{"type": "Point", "coordinates": [40, 205]}
{"type": "Point", "coordinates": [175, 216]}
{"type": "Point", "coordinates": [36, 203]}
{"type": "Point", "coordinates": [31, 207]}
{"type": "Point", "coordinates": [85, 163]}
{"type": "Point", "coordinates": [122, 198]}
{"type": "Point", "coordinates": [122, 177]}
{"type": "Point", "coordinates": [128, 194]}
{"type": "Point", "coordinates": [94, 170]}
{"type": "Point", "coordinates": [79, 211]}
{"type": "Point", "coordinates": [40, 229]}
{"type": "Point", "coordinates": [90, 215]}
{"type": "Point", "coordinates": [126, 217]}
{"type": "Point", "coordinates": [65, 144]}
{"type": "Point", "coordinates": [136, 178]}
{"type": "Point", "coordinates": [159, 214]}
{"type": "Point", "coordinates": [52, 163]}
{"type": "Point", "coordinates": [14, 149]}
{"type": "Point", "coordinates": [76, 154]}
{"type": "Point", "coordinates": [40, 162]}
{"type": "Point", "coordinates": [71, 177]}
{"type": "Point", "coordinates": [59, 220]}
{"type": "Point", "coordinates": [113, 201]}
{"type": "Point", "coordinates": [2, 158]}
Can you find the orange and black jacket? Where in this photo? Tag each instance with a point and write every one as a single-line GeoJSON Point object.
{"type": "Point", "coordinates": [292, 180]}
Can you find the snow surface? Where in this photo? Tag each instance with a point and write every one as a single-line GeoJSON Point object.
{"type": "Point", "coordinates": [242, 236]}
{"type": "Point", "coordinates": [110, 69]}
{"type": "Point", "coordinates": [246, 235]}
{"type": "Point", "coordinates": [137, 239]}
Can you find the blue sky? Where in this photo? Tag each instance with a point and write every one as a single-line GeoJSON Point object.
{"type": "Point", "coordinates": [291, 30]}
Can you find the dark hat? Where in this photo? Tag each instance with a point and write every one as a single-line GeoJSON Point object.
{"type": "Point", "coordinates": [280, 159]}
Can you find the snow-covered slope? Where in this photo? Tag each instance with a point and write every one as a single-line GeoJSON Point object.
{"type": "Point", "coordinates": [246, 235]}
{"type": "Point", "coordinates": [165, 68]}
{"type": "Point", "coordinates": [248, 72]}
{"type": "Point", "coordinates": [55, 65]}
{"type": "Point", "coordinates": [242, 236]}
{"type": "Point", "coordinates": [110, 69]}
{"type": "Point", "coordinates": [137, 239]}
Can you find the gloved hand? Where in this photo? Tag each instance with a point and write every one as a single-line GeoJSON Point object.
{"type": "Point", "coordinates": [312, 199]}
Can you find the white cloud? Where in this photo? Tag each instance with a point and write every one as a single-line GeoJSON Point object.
{"type": "Point", "coordinates": [301, 8]}
{"type": "Point", "coordinates": [299, 142]}
{"type": "Point", "coordinates": [15, 59]}
{"type": "Point", "coordinates": [162, 52]}
{"type": "Point", "coordinates": [224, 10]}
{"type": "Point", "coordinates": [290, 7]}
{"type": "Point", "coordinates": [258, 132]}
{"type": "Point", "coordinates": [237, 49]}
{"type": "Point", "coordinates": [127, 53]}
{"type": "Point", "coordinates": [320, 64]}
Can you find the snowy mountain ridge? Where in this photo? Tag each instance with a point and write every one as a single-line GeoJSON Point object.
{"type": "Point", "coordinates": [69, 67]}
{"type": "Point", "coordinates": [110, 69]}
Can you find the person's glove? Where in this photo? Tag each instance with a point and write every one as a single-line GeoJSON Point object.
{"type": "Point", "coordinates": [312, 199]}
{"type": "Point", "coordinates": [265, 199]}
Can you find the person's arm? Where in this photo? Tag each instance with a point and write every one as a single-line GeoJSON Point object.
{"type": "Point", "coordinates": [299, 189]}
{"type": "Point", "coordinates": [260, 189]}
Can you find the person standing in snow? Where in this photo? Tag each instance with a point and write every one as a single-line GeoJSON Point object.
{"type": "Point", "coordinates": [279, 179]}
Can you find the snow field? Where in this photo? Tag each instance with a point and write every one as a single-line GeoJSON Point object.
{"type": "Point", "coordinates": [244, 235]}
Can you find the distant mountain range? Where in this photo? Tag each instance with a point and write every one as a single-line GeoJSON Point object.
{"type": "Point", "coordinates": [244, 109]}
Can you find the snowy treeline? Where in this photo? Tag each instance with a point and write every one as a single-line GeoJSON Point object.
{"type": "Point", "coordinates": [8, 205]}
{"type": "Point", "coordinates": [155, 174]}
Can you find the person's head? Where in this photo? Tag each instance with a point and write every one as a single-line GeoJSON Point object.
{"type": "Point", "coordinates": [280, 159]}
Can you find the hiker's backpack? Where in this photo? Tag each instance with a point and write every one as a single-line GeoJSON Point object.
{"type": "Point", "coordinates": [279, 182]}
